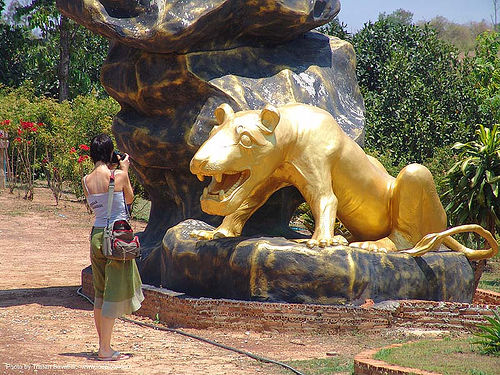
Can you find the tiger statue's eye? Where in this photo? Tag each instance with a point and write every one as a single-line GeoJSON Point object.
{"type": "Point", "coordinates": [246, 141]}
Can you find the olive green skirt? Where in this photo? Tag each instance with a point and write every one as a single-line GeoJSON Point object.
{"type": "Point", "coordinates": [117, 284]}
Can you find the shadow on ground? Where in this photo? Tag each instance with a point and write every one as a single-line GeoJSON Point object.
{"type": "Point", "coordinates": [64, 296]}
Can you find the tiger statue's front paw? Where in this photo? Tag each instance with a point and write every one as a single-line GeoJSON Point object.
{"type": "Point", "coordinates": [325, 242]}
{"type": "Point", "coordinates": [207, 234]}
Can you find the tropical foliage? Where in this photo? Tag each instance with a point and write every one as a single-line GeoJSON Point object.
{"type": "Point", "coordinates": [474, 180]}
{"type": "Point", "coordinates": [489, 335]}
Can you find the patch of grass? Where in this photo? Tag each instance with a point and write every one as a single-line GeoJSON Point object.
{"type": "Point", "coordinates": [383, 354]}
{"type": "Point", "coordinates": [493, 285]}
{"type": "Point", "coordinates": [323, 366]}
{"type": "Point", "coordinates": [448, 357]}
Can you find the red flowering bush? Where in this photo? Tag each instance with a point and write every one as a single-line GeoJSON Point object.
{"type": "Point", "coordinates": [23, 153]}
{"type": "Point", "coordinates": [82, 158]}
{"type": "Point", "coordinates": [52, 137]}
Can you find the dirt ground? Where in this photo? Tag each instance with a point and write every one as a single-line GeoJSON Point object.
{"type": "Point", "coordinates": [46, 328]}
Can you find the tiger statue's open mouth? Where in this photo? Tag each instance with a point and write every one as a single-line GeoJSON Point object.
{"type": "Point", "coordinates": [223, 186]}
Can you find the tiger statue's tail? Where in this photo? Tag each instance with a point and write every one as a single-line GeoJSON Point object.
{"type": "Point", "coordinates": [434, 240]}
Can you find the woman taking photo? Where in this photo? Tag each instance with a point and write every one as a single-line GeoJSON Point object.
{"type": "Point", "coordinates": [117, 284]}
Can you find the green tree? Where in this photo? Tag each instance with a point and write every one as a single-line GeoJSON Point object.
{"type": "Point", "coordinates": [399, 16]}
{"type": "Point", "coordinates": [14, 54]}
{"type": "Point", "coordinates": [474, 181]}
{"type": "Point", "coordinates": [335, 28]}
{"type": "Point", "coordinates": [416, 90]}
{"type": "Point", "coordinates": [43, 15]}
{"type": "Point", "coordinates": [486, 75]}
{"type": "Point", "coordinates": [66, 58]}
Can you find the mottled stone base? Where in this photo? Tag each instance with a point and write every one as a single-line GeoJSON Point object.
{"type": "Point", "coordinates": [276, 269]}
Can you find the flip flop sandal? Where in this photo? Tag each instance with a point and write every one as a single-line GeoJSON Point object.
{"type": "Point", "coordinates": [117, 356]}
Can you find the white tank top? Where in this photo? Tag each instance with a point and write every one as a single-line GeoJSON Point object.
{"type": "Point", "coordinates": [99, 204]}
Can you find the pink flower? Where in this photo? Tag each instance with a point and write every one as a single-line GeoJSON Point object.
{"type": "Point", "coordinates": [84, 147]}
{"type": "Point", "coordinates": [45, 160]}
{"type": "Point", "coordinates": [72, 151]}
{"type": "Point", "coordinates": [41, 124]}
{"type": "Point", "coordinates": [18, 139]}
{"type": "Point", "coordinates": [19, 132]}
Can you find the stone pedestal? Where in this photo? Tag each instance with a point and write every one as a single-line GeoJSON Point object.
{"type": "Point", "coordinates": [276, 269]}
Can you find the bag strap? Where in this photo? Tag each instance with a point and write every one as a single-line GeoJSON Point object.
{"type": "Point", "coordinates": [127, 211]}
{"type": "Point", "coordinates": [111, 190]}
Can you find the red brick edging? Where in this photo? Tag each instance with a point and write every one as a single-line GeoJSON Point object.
{"type": "Point", "coordinates": [486, 297]}
{"type": "Point", "coordinates": [364, 364]}
{"type": "Point", "coordinates": [179, 310]}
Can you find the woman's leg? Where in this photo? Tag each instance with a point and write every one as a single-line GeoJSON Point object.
{"type": "Point", "coordinates": [97, 320]}
{"type": "Point", "coordinates": [106, 330]}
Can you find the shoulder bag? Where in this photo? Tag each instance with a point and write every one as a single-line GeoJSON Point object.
{"type": "Point", "coordinates": [119, 241]}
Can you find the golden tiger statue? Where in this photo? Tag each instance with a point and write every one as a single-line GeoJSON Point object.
{"type": "Point", "coordinates": [251, 154]}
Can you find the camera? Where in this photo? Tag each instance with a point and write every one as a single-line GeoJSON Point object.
{"type": "Point", "coordinates": [114, 156]}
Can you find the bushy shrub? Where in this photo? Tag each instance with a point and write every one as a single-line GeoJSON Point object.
{"type": "Point", "coordinates": [486, 76]}
{"type": "Point", "coordinates": [416, 90]}
{"type": "Point", "coordinates": [61, 141]}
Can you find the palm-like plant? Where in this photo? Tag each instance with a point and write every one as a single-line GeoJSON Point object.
{"type": "Point", "coordinates": [475, 181]}
{"type": "Point", "coordinates": [489, 335]}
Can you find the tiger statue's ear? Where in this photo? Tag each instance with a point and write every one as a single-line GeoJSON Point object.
{"type": "Point", "coordinates": [223, 112]}
{"type": "Point", "coordinates": [270, 117]}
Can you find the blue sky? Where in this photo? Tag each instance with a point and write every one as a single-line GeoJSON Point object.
{"type": "Point", "coordinates": [355, 13]}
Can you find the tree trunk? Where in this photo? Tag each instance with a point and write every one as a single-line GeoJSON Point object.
{"type": "Point", "coordinates": [64, 40]}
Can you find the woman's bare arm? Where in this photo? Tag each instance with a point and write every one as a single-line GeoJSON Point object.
{"type": "Point", "coordinates": [123, 180]}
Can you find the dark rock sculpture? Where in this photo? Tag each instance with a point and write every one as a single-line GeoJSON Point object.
{"type": "Point", "coordinates": [162, 26]}
{"type": "Point", "coordinates": [170, 75]}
